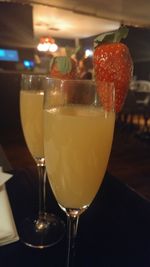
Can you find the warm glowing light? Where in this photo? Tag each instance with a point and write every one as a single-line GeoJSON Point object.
{"type": "Point", "coordinates": [53, 48]}
{"type": "Point", "coordinates": [88, 53]}
{"type": "Point", "coordinates": [43, 47]}
{"type": "Point", "coordinates": [47, 44]}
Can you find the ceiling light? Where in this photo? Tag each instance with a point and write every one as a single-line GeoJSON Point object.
{"type": "Point", "coordinates": [53, 48]}
{"type": "Point", "coordinates": [47, 44]}
{"type": "Point", "coordinates": [88, 53]}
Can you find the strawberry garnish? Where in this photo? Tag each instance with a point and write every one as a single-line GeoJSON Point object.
{"type": "Point", "coordinates": [113, 63]}
{"type": "Point", "coordinates": [64, 67]}
{"type": "Point", "coordinates": [106, 93]}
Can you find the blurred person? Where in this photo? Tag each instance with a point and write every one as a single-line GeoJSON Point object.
{"type": "Point", "coordinates": [86, 68]}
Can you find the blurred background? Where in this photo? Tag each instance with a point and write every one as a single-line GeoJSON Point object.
{"type": "Point", "coordinates": [32, 32]}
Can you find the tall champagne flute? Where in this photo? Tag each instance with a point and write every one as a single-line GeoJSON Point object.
{"type": "Point", "coordinates": [78, 134]}
{"type": "Point", "coordinates": [46, 229]}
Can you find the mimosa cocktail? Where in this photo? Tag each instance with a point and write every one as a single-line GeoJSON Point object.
{"type": "Point", "coordinates": [44, 229]}
{"type": "Point", "coordinates": [31, 110]}
{"type": "Point", "coordinates": [77, 147]}
{"type": "Point", "coordinates": [78, 133]}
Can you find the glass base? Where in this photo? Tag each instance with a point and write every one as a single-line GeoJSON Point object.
{"type": "Point", "coordinates": [42, 232]}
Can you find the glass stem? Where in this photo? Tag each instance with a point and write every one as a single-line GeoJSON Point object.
{"type": "Point", "coordinates": [42, 186]}
{"type": "Point", "coordinates": [72, 224]}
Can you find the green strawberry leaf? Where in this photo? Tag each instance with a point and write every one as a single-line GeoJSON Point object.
{"type": "Point", "coordinates": [111, 37]}
{"type": "Point", "coordinates": [64, 64]}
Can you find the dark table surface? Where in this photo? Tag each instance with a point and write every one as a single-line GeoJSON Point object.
{"type": "Point", "coordinates": [113, 232]}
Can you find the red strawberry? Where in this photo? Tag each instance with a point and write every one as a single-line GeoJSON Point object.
{"type": "Point", "coordinates": [63, 67]}
{"type": "Point", "coordinates": [113, 63]}
{"type": "Point", "coordinates": [106, 94]}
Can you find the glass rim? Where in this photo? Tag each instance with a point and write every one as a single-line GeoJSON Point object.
{"type": "Point", "coordinates": [92, 81]}
{"type": "Point", "coordinates": [33, 75]}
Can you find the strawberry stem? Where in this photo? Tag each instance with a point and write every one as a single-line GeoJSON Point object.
{"type": "Point", "coordinates": [111, 37]}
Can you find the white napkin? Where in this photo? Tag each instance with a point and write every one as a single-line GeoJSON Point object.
{"type": "Point", "coordinates": [8, 231]}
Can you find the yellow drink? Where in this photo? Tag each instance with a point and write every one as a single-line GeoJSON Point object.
{"type": "Point", "coordinates": [31, 104]}
{"type": "Point", "coordinates": [77, 145]}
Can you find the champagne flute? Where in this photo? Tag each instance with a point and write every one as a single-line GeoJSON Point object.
{"type": "Point", "coordinates": [78, 134]}
{"type": "Point", "coordinates": [47, 229]}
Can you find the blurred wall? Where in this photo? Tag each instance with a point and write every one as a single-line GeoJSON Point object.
{"type": "Point", "coordinates": [9, 101]}
{"type": "Point", "coordinates": [16, 25]}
